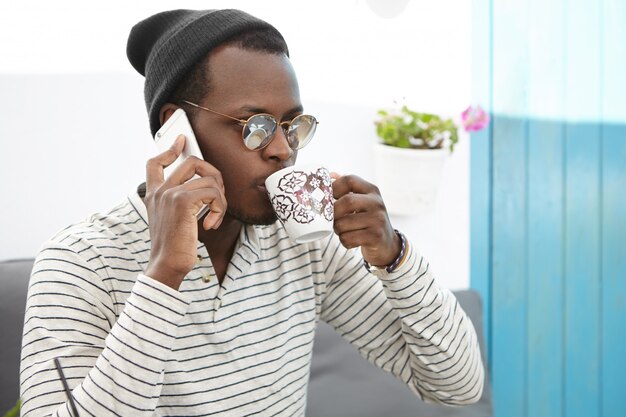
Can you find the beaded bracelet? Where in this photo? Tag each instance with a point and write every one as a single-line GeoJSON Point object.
{"type": "Point", "coordinates": [396, 263]}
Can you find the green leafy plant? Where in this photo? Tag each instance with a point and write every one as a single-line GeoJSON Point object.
{"type": "Point", "coordinates": [15, 411]}
{"type": "Point", "coordinates": [411, 129]}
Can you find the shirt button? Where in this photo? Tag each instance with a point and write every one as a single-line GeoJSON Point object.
{"type": "Point", "coordinates": [198, 258]}
{"type": "Point", "coordinates": [206, 277]}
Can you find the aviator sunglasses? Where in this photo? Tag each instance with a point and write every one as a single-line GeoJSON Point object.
{"type": "Point", "coordinates": [259, 129]}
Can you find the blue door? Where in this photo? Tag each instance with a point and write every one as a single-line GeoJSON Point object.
{"type": "Point", "coordinates": [548, 208]}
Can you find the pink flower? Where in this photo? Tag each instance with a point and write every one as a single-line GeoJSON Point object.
{"type": "Point", "coordinates": [474, 119]}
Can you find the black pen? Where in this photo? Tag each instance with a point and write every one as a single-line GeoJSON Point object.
{"type": "Point", "coordinates": [66, 388]}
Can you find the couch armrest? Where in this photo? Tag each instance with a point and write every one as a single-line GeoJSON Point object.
{"type": "Point", "coordinates": [14, 277]}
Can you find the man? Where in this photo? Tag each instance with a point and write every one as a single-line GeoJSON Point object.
{"type": "Point", "coordinates": [153, 312]}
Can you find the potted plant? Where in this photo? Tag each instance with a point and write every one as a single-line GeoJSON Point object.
{"type": "Point", "coordinates": [410, 129]}
{"type": "Point", "coordinates": [410, 158]}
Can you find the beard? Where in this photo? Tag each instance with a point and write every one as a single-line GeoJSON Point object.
{"type": "Point", "coordinates": [262, 217]}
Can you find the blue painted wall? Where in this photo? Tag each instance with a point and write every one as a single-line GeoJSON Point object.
{"type": "Point", "coordinates": [548, 203]}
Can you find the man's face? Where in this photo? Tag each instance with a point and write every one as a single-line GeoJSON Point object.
{"type": "Point", "coordinates": [244, 83]}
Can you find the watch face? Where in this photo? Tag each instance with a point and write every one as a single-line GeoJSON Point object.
{"type": "Point", "coordinates": [376, 270]}
{"type": "Point", "coordinates": [382, 270]}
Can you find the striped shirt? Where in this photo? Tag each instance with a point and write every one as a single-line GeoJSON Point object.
{"type": "Point", "coordinates": [131, 346]}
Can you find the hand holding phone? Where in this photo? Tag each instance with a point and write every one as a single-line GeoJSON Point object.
{"type": "Point", "coordinates": [178, 190]}
{"type": "Point", "coordinates": [178, 124]}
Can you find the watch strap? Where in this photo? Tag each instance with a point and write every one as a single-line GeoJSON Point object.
{"type": "Point", "coordinates": [395, 264]}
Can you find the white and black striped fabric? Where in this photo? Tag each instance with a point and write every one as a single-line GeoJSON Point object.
{"type": "Point", "coordinates": [131, 346]}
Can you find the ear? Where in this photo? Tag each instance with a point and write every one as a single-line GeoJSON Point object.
{"type": "Point", "coordinates": [166, 111]}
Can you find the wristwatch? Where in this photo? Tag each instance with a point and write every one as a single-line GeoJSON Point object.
{"type": "Point", "coordinates": [381, 270]}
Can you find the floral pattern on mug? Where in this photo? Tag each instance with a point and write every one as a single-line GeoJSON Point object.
{"type": "Point", "coordinates": [315, 182]}
{"type": "Point", "coordinates": [329, 212]}
{"type": "Point", "coordinates": [325, 176]}
{"type": "Point", "coordinates": [303, 214]}
{"type": "Point", "coordinates": [292, 182]}
{"type": "Point", "coordinates": [312, 193]}
{"type": "Point", "coordinates": [283, 205]}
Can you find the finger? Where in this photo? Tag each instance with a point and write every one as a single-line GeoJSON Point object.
{"type": "Point", "coordinates": [354, 239]}
{"type": "Point", "coordinates": [204, 183]}
{"type": "Point", "coordinates": [209, 181]}
{"type": "Point", "coordinates": [349, 204]}
{"type": "Point", "coordinates": [190, 167]}
{"type": "Point", "coordinates": [156, 165]}
{"type": "Point", "coordinates": [216, 214]}
{"type": "Point", "coordinates": [214, 199]}
{"type": "Point", "coordinates": [359, 221]}
{"type": "Point", "coordinates": [352, 184]}
{"type": "Point", "coordinates": [353, 203]}
{"type": "Point", "coordinates": [335, 175]}
{"type": "Point", "coordinates": [213, 220]}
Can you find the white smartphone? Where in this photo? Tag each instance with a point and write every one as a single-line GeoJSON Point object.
{"type": "Point", "coordinates": [178, 124]}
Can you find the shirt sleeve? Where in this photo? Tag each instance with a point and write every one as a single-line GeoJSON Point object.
{"type": "Point", "coordinates": [114, 365]}
{"type": "Point", "coordinates": [404, 323]}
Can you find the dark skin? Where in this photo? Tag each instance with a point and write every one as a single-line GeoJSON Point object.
{"type": "Point", "coordinates": [232, 177]}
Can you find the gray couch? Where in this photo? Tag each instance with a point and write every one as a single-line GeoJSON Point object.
{"type": "Point", "coordinates": [342, 383]}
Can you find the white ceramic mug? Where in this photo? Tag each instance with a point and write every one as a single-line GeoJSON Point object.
{"type": "Point", "coordinates": [303, 200]}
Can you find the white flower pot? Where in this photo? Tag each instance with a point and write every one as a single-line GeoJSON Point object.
{"type": "Point", "coordinates": [408, 178]}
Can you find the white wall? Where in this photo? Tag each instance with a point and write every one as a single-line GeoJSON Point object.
{"type": "Point", "coordinates": [74, 129]}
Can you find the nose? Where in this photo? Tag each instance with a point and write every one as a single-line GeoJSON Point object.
{"type": "Point", "coordinates": [278, 149]}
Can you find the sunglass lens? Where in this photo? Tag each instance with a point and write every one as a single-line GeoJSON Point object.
{"type": "Point", "coordinates": [258, 131]}
{"type": "Point", "coordinates": [301, 131]}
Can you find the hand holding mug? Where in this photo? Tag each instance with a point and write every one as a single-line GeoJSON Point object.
{"type": "Point", "coordinates": [361, 219]}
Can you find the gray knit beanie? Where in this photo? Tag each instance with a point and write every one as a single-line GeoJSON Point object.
{"type": "Point", "coordinates": [165, 46]}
